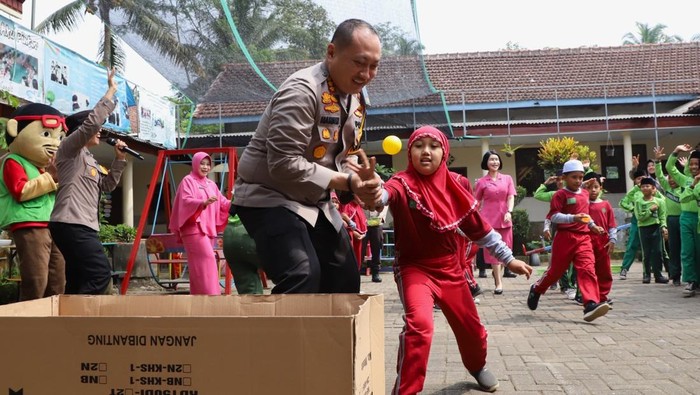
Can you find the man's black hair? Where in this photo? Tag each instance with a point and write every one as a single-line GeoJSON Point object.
{"type": "Point", "coordinates": [343, 33]}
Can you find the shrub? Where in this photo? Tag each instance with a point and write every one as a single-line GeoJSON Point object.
{"type": "Point", "coordinates": [121, 233]}
{"type": "Point", "coordinates": [521, 228]}
{"type": "Point", "coordinates": [555, 152]}
{"type": "Point", "coordinates": [520, 193]}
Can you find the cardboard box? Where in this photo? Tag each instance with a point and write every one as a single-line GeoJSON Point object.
{"type": "Point", "coordinates": [204, 345]}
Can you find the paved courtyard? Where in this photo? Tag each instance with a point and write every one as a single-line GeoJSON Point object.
{"type": "Point", "coordinates": [648, 344]}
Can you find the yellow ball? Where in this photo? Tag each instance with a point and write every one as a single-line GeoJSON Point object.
{"type": "Point", "coordinates": [391, 145]}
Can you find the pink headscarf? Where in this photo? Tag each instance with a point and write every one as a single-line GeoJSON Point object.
{"type": "Point", "coordinates": [193, 190]}
{"type": "Point", "coordinates": [438, 196]}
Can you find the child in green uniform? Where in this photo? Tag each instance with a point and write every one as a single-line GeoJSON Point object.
{"type": "Point", "coordinates": [672, 193]}
{"type": "Point", "coordinates": [650, 212]}
{"type": "Point", "coordinates": [690, 239]}
{"type": "Point", "coordinates": [627, 203]}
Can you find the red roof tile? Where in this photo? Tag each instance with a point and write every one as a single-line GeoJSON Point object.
{"type": "Point", "coordinates": [484, 77]}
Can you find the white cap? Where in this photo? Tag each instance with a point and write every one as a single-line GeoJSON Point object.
{"type": "Point", "coordinates": [572, 165]}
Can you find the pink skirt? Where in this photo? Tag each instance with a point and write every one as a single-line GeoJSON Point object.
{"type": "Point", "coordinates": [507, 236]}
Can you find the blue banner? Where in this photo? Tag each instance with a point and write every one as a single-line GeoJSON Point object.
{"type": "Point", "coordinates": [75, 85]}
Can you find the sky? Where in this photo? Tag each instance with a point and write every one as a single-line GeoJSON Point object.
{"type": "Point", "coordinates": [451, 26]}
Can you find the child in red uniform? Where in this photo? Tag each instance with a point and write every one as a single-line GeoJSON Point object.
{"type": "Point", "coordinates": [356, 221]}
{"type": "Point", "coordinates": [429, 206]}
{"type": "Point", "coordinates": [602, 214]}
{"type": "Point", "coordinates": [572, 243]}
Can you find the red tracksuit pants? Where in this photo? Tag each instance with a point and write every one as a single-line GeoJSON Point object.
{"type": "Point", "coordinates": [419, 289]}
{"type": "Point", "coordinates": [577, 248]}
{"type": "Point", "coordinates": [602, 266]}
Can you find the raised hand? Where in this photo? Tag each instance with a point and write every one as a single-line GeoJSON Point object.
{"type": "Point", "coordinates": [659, 153]}
{"type": "Point", "coordinates": [683, 148]}
{"type": "Point", "coordinates": [635, 161]}
{"type": "Point", "coordinates": [551, 180]}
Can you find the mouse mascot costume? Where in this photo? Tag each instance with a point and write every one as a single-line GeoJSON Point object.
{"type": "Point", "coordinates": [27, 193]}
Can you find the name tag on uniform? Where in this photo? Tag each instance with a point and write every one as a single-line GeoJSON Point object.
{"type": "Point", "coordinates": [571, 200]}
{"type": "Point", "coordinates": [326, 120]}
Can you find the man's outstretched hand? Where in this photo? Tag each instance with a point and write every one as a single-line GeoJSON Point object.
{"type": "Point", "coordinates": [367, 187]}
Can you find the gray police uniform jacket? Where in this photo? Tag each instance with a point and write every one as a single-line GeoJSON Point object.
{"type": "Point", "coordinates": [300, 141]}
{"type": "Point", "coordinates": [80, 178]}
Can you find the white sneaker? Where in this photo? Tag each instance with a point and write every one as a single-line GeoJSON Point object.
{"type": "Point", "coordinates": [571, 293]}
{"type": "Point", "coordinates": [477, 301]}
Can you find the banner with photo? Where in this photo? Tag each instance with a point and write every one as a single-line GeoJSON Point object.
{"type": "Point", "coordinates": [21, 52]}
{"type": "Point", "coordinates": [73, 84]}
{"type": "Point", "coordinates": [156, 119]}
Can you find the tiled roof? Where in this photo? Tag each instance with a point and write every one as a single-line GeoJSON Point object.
{"type": "Point", "coordinates": [484, 77]}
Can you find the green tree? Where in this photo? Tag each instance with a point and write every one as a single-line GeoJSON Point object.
{"type": "Point", "coordinates": [395, 41]}
{"type": "Point", "coordinates": [513, 46]}
{"type": "Point", "coordinates": [142, 20]}
{"type": "Point", "coordinates": [270, 30]}
{"type": "Point", "coordinates": [650, 35]}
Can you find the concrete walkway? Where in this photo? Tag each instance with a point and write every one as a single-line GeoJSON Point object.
{"type": "Point", "coordinates": [648, 344]}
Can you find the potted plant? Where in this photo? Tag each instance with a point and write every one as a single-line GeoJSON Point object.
{"type": "Point", "coordinates": [118, 241]}
{"type": "Point", "coordinates": [554, 152]}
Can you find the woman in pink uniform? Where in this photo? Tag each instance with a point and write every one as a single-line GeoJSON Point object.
{"type": "Point", "coordinates": [200, 211]}
{"type": "Point", "coordinates": [434, 218]}
{"type": "Point", "coordinates": [495, 193]}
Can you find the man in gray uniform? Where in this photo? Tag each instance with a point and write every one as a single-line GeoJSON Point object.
{"type": "Point", "coordinates": [308, 133]}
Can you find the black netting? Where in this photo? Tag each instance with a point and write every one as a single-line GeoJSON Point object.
{"type": "Point", "coordinates": [253, 42]}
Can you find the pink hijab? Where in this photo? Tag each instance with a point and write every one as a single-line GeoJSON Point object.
{"type": "Point", "coordinates": [191, 193]}
{"type": "Point", "coordinates": [438, 196]}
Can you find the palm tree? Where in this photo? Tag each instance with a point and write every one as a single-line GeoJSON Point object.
{"type": "Point", "coordinates": [650, 35]}
{"type": "Point", "coordinates": [140, 15]}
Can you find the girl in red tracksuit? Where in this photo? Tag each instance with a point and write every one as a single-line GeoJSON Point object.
{"type": "Point", "coordinates": [429, 208]}
{"type": "Point", "coordinates": [603, 244]}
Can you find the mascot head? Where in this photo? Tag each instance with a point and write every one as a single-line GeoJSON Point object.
{"type": "Point", "coordinates": [34, 132]}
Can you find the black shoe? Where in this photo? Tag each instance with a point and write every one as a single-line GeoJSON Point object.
{"type": "Point", "coordinates": [623, 274]}
{"type": "Point", "coordinates": [660, 279]}
{"type": "Point", "coordinates": [578, 300]}
{"type": "Point", "coordinates": [476, 290]}
{"type": "Point", "coordinates": [677, 282]}
{"type": "Point", "coordinates": [533, 298]}
{"type": "Point", "coordinates": [376, 278]}
{"type": "Point", "coordinates": [482, 273]}
{"type": "Point", "coordinates": [646, 279]}
{"type": "Point", "coordinates": [595, 310]}
{"type": "Point", "coordinates": [609, 302]}
{"type": "Point", "coordinates": [508, 274]}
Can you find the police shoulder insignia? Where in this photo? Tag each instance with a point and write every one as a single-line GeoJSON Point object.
{"type": "Point", "coordinates": [319, 152]}
{"type": "Point", "coordinates": [327, 98]}
{"type": "Point", "coordinates": [333, 107]}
